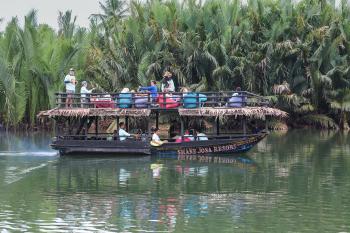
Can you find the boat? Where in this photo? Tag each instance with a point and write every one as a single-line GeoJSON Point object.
{"type": "Point", "coordinates": [75, 134]}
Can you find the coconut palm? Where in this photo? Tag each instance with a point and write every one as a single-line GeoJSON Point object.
{"type": "Point", "coordinates": [295, 53]}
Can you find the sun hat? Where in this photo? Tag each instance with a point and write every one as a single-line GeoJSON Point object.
{"type": "Point", "coordinates": [167, 74]}
{"type": "Point", "coordinates": [125, 89]}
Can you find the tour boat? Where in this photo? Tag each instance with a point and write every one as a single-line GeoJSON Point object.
{"type": "Point", "coordinates": [80, 127]}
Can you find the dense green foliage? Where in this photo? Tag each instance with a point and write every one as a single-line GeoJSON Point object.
{"type": "Point", "coordinates": [297, 54]}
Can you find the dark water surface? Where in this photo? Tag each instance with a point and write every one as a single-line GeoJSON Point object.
{"type": "Point", "coordinates": [291, 182]}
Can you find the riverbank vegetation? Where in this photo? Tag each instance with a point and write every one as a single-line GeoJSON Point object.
{"type": "Point", "coordinates": [296, 54]}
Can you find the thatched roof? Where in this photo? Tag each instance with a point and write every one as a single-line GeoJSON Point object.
{"type": "Point", "coordinates": [251, 112]}
{"type": "Point", "coordinates": [101, 112]}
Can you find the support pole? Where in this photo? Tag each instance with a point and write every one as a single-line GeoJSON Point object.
{"type": "Point", "coordinates": [86, 128]}
{"type": "Point", "coordinates": [149, 129]}
{"type": "Point", "coordinates": [157, 119]}
{"type": "Point", "coordinates": [81, 125]}
{"type": "Point", "coordinates": [117, 136]}
{"type": "Point", "coordinates": [244, 121]}
{"type": "Point", "coordinates": [266, 124]}
{"type": "Point", "coordinates": [127, 123]}
{"type": "Point", "coordinates": [217, 125]}
{"type": "Point", "coordinates": [56, 124]}
{"type": "Point", "coordinates": [69, 127]}
{"type": "Point", "coordinates": [182, 128]}
{"type": "Point", "coordinates": [96, 126]}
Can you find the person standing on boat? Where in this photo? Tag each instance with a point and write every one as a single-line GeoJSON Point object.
{"type": "Point", "coordinates": [153, 89]}
{"type": "Point", "coordinates": [168, 82]}
{"type": "Point", "coordinates": [237, 99]}
{"type": "Point", "coordinates": [123, 135]}
{"type": "Point", "coordinates": [70, 83]}
{"type": "Point", "coordinates": [83, 92]}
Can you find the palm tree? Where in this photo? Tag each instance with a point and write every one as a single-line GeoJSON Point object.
{"type": "Point", "coordinates": [295, 53]}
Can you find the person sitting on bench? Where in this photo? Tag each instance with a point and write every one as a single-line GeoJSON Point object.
{"type": "Point", "coordinates": [123, 135]}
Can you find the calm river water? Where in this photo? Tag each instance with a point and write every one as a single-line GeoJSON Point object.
{"type": "Point", "coordinates": [291, 182]}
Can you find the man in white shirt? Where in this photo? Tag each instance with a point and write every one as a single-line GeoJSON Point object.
{"type": "Point", "coordinates": [83, 92]}
{"type": "Point", "coordinates": [123, 135]}
{"type": "Point", "coordinates": [70, 83]}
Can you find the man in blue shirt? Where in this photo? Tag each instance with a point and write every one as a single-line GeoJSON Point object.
{"type": "Point", "coordinates": [153, 89]}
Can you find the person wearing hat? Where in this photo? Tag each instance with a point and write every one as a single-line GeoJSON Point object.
{"type": "Point", "coordinates": [70, 83]}
{"type": "Point", "coordinates": [237, 99]}
{"type": "Point", "coordinates": [125, 98]}
{"type": "Point", "coordinates": [83, 92]}
{"type": "Point", "coordinates": [167, 82]}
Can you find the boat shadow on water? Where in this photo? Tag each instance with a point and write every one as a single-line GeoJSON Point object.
{"type": "Point", "coordinates": [213, 159]}
{"type": "Point", "coordinates": [163, 158]}
{"type": "Point", "coordinates": [157, 163]}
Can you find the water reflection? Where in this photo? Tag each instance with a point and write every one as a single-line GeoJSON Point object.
{"type": "Point", "coordinates": [292, 182]}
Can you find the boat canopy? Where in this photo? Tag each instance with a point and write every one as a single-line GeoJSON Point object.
{"type": "Point", "coordinates": [249, 112]}
{"type": "Point", "coordinates": [92, 112]}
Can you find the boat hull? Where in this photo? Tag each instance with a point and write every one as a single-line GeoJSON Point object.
{"type": "Point", "coordinates": [217, 146]}
{"type": "Point", "coordinates": [99, 147]}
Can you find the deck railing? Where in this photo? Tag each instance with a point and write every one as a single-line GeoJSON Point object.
{"type": "Point", "coordinates": [175, 100]}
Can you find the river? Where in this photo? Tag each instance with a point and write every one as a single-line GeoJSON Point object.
{"type": "Point", "coordinates": [290, 182]}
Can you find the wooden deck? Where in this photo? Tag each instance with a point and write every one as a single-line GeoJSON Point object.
{"type": "Point", "coordinates": [184, 104]}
